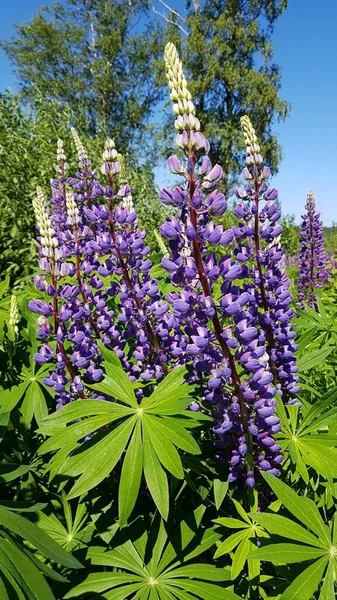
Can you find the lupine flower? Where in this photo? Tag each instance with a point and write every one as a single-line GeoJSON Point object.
{"type": "Point", "coordinates": [314, 271]}
{"type": "Point", "coordinates": [270, 289]}
{"type": "Point", "coordinates": [227, 312]}
{"type": "Point", "coordinates": [231, 337]}
{"type": "Point", "coordinates": [14, 315]}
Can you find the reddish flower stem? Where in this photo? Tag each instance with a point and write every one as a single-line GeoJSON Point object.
{"type": "Point", "coordinates": [217, 325]}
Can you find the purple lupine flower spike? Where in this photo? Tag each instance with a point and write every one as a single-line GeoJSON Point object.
{"type": "Point", "coordinates": [313, 263]}
{"type": "Point", "coordinates": [233, 340]}
{"type": "Point", "coordinates": [270, 289]}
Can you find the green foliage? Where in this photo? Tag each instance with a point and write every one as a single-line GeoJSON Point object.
{"type": "Point", "coordinates": [141, 504]}
{"type": "Point", "coordinates": [88, 56]}
{"type": "Point", "coordinates": [148, 432]}
{"type": "Point", "coordinates": [290, 235]}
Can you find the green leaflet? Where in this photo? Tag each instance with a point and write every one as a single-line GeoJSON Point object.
{"type": "Point", "coordinates": [286, 553]}
{"type": "Point", "coordinates": [156, 478]}
{"type": "Point", "coordinates": [302, 508]}
{"type": "Point", "coordinates": [303, 587]}
{"type": "Point", "coordinates": [31, 533]}
{"type": "Point", "coordinates": [131, 476]}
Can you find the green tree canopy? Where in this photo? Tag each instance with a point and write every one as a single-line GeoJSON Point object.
{"type": "Point", "coordinates": [95, 57]}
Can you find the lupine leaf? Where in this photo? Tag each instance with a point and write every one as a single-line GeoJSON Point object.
{"type": "Point", "coordinates": [31, 533]}
{"type": "Point", "coordinates": [164, 449]}
{"type": "Point", "coordinates": [79, 410]}
{"type": "Point", "coordinates": [40, 408]}
{"type": "Point", "coordinates": [284, 527]}
{"type": "Point", "coordinates": [131, 476]}
{"type": "Point", "coordinates": [232, 523]}
{"type": "Point", "coordinates": [3, 591]}
{"type": "Point", "coordinates": [122, 593]}
{"type": "Point", "coordinates": [98, 462]}
{"type": "Point", "coordinates": [286, 553]}
{"type": "Point", "coordinates": [156, 479]}
{"type": "Point", "coordinates": [240, 557]}
{"type": "Point", "coordinates": [10, 398]}
{"type": "Point", "coordinates": [168, 387]}
{"type": "Point", "coordinates": [177, 434]}
{"type": "Point", "coordinates": [313, 359]}
{"type": "Point", "coordinates": [109, 355]}
{"type": "Point", "coordinates": [99, 582]}
{"type": "Point", "coordinates": [220, 489]}
{"type": "Point", "coordinates": [230, 543]}
{"type": "Point", "coordinates": [206, 590]}
{"type": "Point", "coordinates": [200, 571]}
{"type": "Point", "coordinates": [304, 586]}
{"type": "Point", "coordinates": [319, 407]}
{"type": "Point", "coordinates": [302, 508]}
{"type": "Point", "coordinates": [328, 587]}
{"type": "Point", "coordinates": [119, 386]}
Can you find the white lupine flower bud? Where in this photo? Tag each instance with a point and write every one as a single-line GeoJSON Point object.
{"type": "Point", "coordinates": [252, 147]}
{"type": "Point", "coordinates": [177, 82]}
{"type": "Point", "coordinates": [48, 238]}
{"type": "Point", "coordinates": [73, 215]}
{"type": "Point", "coordinates": [60, 155]}
{"type": "Point", "coordinates": [14, 315]}
{"type": "Point", "coordinates": [77, 141]}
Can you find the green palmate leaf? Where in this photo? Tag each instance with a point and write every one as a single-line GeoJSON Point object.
{"type": "Point", "coordinates": [240, 556]}
{"type": "Point", "coordinates": [164, 449]}
{"type": "Point", "coordinates": [200, 571]}
{"type": "Point", "coordinates": [232, 523]}
{"type": "Point", "coordinates": [175, 432]}
{"type": "Point", "coordinates": [319, 407]}
{"type": "Point", "coordinates": [156, 478]}
{"type": "Point", "coordinates": [173, 385]}
{"type": "Point", "coordinates": [241, 511]}
{"type": "Point", "coordinates": [157, 425]}
{"type": "Point", "coordinates": [205, 590]}
{"type": "Point", "coordinates": [328, 587]}
{"type": "Point", "coordinates": [286, 553]}
{"type": "Point", "coordinates": [42, 542]}
{"type": "Point", "coordinates": [9, 472]}
{"type": "Point", "coordinates": [313, 359]}
{"type": "Point", "coordinates": [302, 508]}
{"type": "Point", "coordinates": [3, 591]}
{"type": "Point", "coordinates": [109, 355]}
{"type": "Point", "coordinates": [231, 542]}
{"type": "Point", "coordinates": [284, 527]}
{"type": "Point", "coordinates": [131, 476]}
{"type": "Point", "coordinates": [220, 489]}
{"type": "Point", "coordinates": [4, 420]}
{"type": "Point", "coordinates": [40, 408]}
{"type": "Point", "coordinates": [10, 398]}
{"type": "Point", "coordinates": [118, 385]}
{"type": "Point", "coordinates": [30, 578]}
{"type": "Point", "coordinates": [99, 582]}
{"type": "Point", "coordinates": [304, 586]}
{"type": "Point", "coordinates": [99, 461]}
{"type": "Point", "coordinates": [68, 436]}
{"type": "Point", "coordinates": [166, 392]}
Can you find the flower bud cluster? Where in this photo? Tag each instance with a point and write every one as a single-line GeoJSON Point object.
{"type": "Point", "coordinates": [189, 136]}
{"type": "Point", "coordinates": [313, 263]}
{"type": "Point", "coordinates": [14, 315]}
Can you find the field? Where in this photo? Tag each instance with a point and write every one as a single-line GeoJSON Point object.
{"type": "Point", "coordinates": [168, 412]}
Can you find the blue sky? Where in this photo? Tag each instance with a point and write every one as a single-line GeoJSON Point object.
{"type": "Point", "coordinates": [305, 47]}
